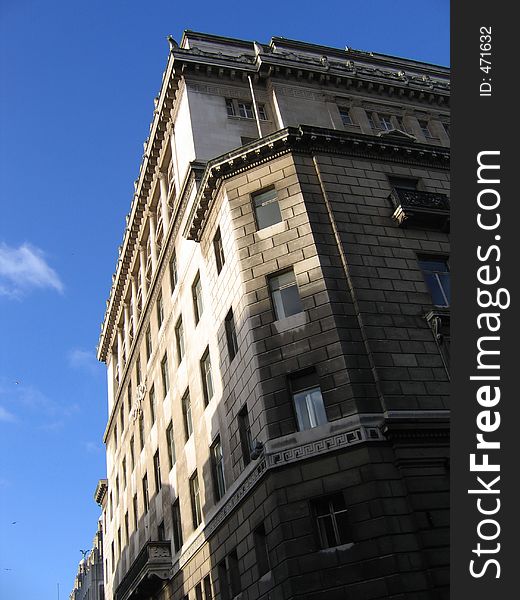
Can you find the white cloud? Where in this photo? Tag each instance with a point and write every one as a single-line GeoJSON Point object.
{"type": "Point", "coordinates": [6, 416]}
{"type": "Point", "coordinates": [25, 268]}
{"type": "Point", "coordinates": [84, 360]}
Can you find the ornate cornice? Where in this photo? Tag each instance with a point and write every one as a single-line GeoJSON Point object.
{"type": "Point", "coordinates": [306, 139]}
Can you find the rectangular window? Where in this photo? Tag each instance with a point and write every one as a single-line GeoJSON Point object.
{"type": "Point", "coordinates": [165, 375]}
{"type": "Point", "coordinates": [157, 471]}
{"type": "Point", "coordinates": [245, 109]}
{"type": "Point", "coordinates": [113, 556]}
{"type": "Point", "coordinates": [146, 497]}
{"type": "Point", "coordinates": [266, 207]}
{"type": "Point", "coordinates": [262, 114]}
{"type": "Point", "coordinates": [344, 113]}
{"type": "Point", "coordinates": [386, 122]}
{"type": "Point", "coordinates": [231, 335]}
{"type": "Point", "coordinates": [246, 441]}
{"type": "Point", "coordinates": [308, 401]}
{"type": "Point", "coordinates": [208, 593]}
{"type": "Point", "coordinates": [230, 107]}
{"type": "Point", "coordinates": [404, 183]}
{"type": "Point", "coordinates": [198, 592]}
{"type": "Point", "coordinates": [138, 370]}
{"type": "Point", "coordinates": [425, 129]}
{"type": "Point", "coordinates": [177, 526]}
{"type": "Point", "coordinates": [436, 273]}
{"type": "Point", "coordinates": [136, 513]}
{"type": "Point", "coordinates": [186, 411]}
{"type": "Point", "coordinates": [151, 400]}
{"type": "Point", "coordinates": [160, 311]}
{"type": "Point", "coordinates": [217, 464]}
{"type": "Point", "coordinates": [225, 592]}
{"type": "Point", "coordinates": [246, 140]}
{"type": "Point", "coordinates": [129, 397]}
{"type": "Point", "coordinates": [196, 292]}
{"type": "Point", "coordinates": [123, 472]}
{"type": "Point", "coordinates": [122, 417]}
{"type": "Point", "coordinates": [160, 532]}
{"type": "Point", "coordinates": [173, 271]}
{"type": "Point", "coordinates": [332, 520]}
{"type": "Point", "coordinates": [141, 432]}
{"type": "Point", "coordinates": [132, 453]}
{"type": "Point", "coordinates": [127, 534]}
{"type": "Point", "coordinates": [179, 339]}
{"type": "Point", "coordinates": [117, 490]}
{"type": "Point", "coordinates": [119, 548]}
{"type": "Point", "coordinates": [285, 295]}
{"type": "Point", "coordinates": [218, 248]}
{"type": "Point", "coordinates": [261, 550]}
{"type": "Point", "coordinates": [148, 343]}
{"type": "Point", "coordinates": [207, 381]}
{"type": "Point", "coordinates": [195, 500]}
{"type": "Point", "coordinates": [234, 574]}
{"type": "Point", "coordinates": [170, 441]}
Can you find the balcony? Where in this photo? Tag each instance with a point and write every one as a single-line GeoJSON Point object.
{"type": "Point", "coordinates": [420, 209]}
{"type": "Point", "coordinates": [147, 573]}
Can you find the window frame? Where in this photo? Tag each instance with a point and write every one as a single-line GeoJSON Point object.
{"type": "Point", "coordinates": [257, 194]}
{"type": "Point", "coordinates": [187, 414]}
{"type": "Point", "coordinates": [446, 294]}
{"type": "Point", "coordinates": [208, 388]}
{"type": "Point", "coordinates": [277, 292]}
{"type": "Point", "coordinates": [217, 467]}
{"type": "Point", "coordinates": [196, 506]}
{"type": "Point", "coordinates": [231, 335]}
{"type": "Point", "coordinates": [218, 249]}
{"type": "Point", "coordinates": [198, 302]}
{"type": "Point", "coordinates": [298, 387]}
{"type": "Point", "coordinates": [177, 525]}
{"type": "Point", "coordinates": [179, 339]}
{"type": "Point", "coordinates": [342, 535]}
{"type": "Point", "coordinates": [165, 375]}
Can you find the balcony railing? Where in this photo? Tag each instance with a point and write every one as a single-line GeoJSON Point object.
{"type": "Point", "coordinates": [147, 573]}
{"type": "Point", "coordinates": [417, 208]}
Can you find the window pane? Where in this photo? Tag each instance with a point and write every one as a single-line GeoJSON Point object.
{"type": "Point", "coordinates": [326, 531]}
{"type": "Point", "coordinates": [310, 410]}
{"type": "Point", "coordinates": [286, 298]}
{"type": "Point", "coordinates": [267, 210]}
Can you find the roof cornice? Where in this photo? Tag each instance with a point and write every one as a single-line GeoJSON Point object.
{"type": "Point", "coordinates": [305, 139]}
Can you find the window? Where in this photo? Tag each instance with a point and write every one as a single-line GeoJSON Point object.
{"type": "Point", "coordinates": [113, 556]}
{"type": "Point", "coordinates": [425, 129]}
{"type": "Point", "coordinates": [157, 471]}
{"type": "Point", "coordinates": [344, 113]}
{"type": "Point", "coordinates": [217, 464]}
{"type": "Point", "coordinates": [436, 273]}
{"type": "Point", "coordinates": [146, 498]}
{"type": "Point", "coordinates": [198, 592]}
{"type": "Point", "coordinates": [245, 109]}
{"type": "Point", "coordinates": [231, 335]}
{"type": "Point", "coordinates": [219, 250]}
{"type": "Point", "coordinates": [160, 311]}
{"type": "Point", "coordinates": [122, 416]}
{"type": "Point", "coordinates": [446, 128]}
{"type": "Point", "coordinates": [117, 490]}
{"type": "Point", "coordinates": [332, 520]}
{"type": "Point", "coordinates": [170, 441]}
{"type": "Point", "coordinates": [177, 526]}
{"type": "Point", "coordinates": [308, 401]}
{"type": "Point", "coordinates": [160, 532]}
{"type": "Point", "coordinates": [285, 295]}
{"type": "Point", "coordinates": [230, 107]}
{"type": "Point", "coordinates": [138, 370]}
{"type": "Point", "coordinates": [207, 381]}
{"type": "Point", "coordinates": [164, 375]}
{"type": "Point", "coordinates": [141, 433]}
{"type": "Point", "coordinates": [246, 441]}
{"type": "Point", "coordinates": [151, 399]}
{"type": "Point", "coordinates": [132, 453]}
{"type": "Point", "coordinates": [129, 397]}
{"type": "Point", "coordinates": [207, 588]}
{"type": "Point", "coordinates": [261, 550]}
{"type": "Point", "coordinates": [404, 183]}
{"type": "Point", "coordinates": [234, 573]}
{"type": "Point", "coordinates": [179, 339]}
{"type": "Point", "coordinates": [267, 210]}
{"type": "Point", "coordinates": [386, 122]}
{"type": "Point", "coordinates": [186, 411]}
{"type": "Point", "coordinates": [148, 342]}
{"type": "Point", "coordinates": [127, 534]}
{"type": "Point", "coordinates": [136, 513]}
{"type": "Point", "coordinates": [247, 140]}
{"type": "Point", "coordinates": [119, 540]}
{"type": "Point", "coordinates": [196, 292]}
{"type": "Point", "coordinates": [123, 472]}
{"type": "Point", "coordinates": [173, 271]}
{"type": "Point", "coordinates": [195, 500]}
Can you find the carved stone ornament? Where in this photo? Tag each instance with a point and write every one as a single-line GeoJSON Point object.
{"type": "Point", "coordinates": [139, 397]}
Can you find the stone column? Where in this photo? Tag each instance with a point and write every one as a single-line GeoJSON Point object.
{"type": "Point", "coordinates": [142, 272]}
{"type": "Point", "coordinates": [120, 354]}
{"type": "Point", "coordinates": [153, 244]}
{"type": "Point", "coordinates": [126, 317]}
{"type": "Point", "coordinates": [164, 201]}
{"type": "Point", "coordinates": [135, 316]}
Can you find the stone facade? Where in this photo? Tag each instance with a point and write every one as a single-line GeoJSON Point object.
{"type": "Point", "coordinates": [277, 333]}
{"type": "Point", "coordinates": [89, 581]}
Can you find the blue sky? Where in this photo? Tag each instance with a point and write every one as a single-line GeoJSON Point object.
{"type": "Point", "coordinates": [77, 82]}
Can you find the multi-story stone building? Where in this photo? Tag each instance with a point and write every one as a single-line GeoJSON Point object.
{"type": "Point", "coordinates": [89, 581]}
{"type": "Point", "coordinates": [276, 336]}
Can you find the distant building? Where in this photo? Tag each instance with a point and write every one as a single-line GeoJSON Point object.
{"type": "Point", "coordinates": [277, 332]}
{"type": "Point", "coordinates": [89, 584]}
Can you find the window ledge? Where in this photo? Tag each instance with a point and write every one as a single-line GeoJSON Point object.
{"type": "Point", "coordinates": [298, 320]}
{"type": "Point", "coordinates": [267, 232]}
{"type": "Point", "coordinates": [336, 548]}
